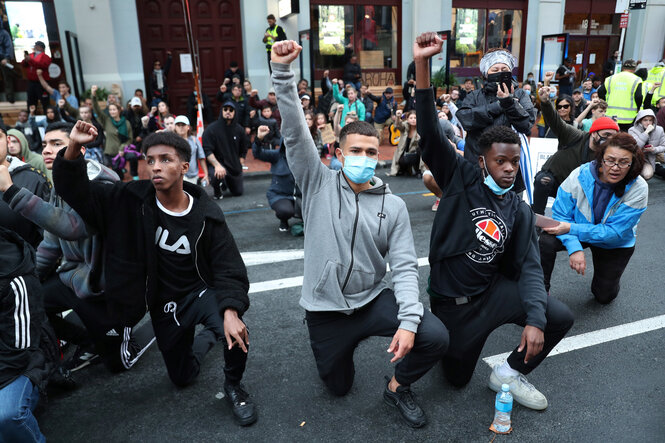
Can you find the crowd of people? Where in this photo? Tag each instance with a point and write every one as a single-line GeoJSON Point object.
{"type": "Point", "coordinates": [73, 212]}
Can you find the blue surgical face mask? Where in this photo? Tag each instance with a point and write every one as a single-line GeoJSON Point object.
{"type": "Point", "coordinates": [359, 168]}
{"type": "Point", "coordinates": [490, 183]}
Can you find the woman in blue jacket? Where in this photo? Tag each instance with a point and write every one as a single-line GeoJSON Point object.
{"type": "Point", "coordinates": [282, 193]}
{"type": "Point", "coordinates": [599, 206]}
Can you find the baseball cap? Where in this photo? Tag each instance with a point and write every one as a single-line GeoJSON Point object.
{"type": "Point", "coordinates": [271, 91]}
{"type": "Point", "coordinates": [40, 43]}
{"type": "Point", "coordinates": [388, 90]}
{"type": "Point", "coordinates": [182, 119]}
{"type": "Point", "coordinates": [603, 123]}
{"type": "Point", "coordinates": [305, 97]}
{"type": "Point", "coordinates": [577, 91]}
{"type": "Point", "coordinates": [229, 103]}
{"type": "Point", "coordinates": [135, 101]}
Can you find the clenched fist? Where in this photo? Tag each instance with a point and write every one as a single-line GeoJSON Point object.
{"type": "Point", "coordinates": [285, 51]}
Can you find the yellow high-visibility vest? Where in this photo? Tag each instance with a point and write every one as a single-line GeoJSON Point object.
{"type": "Point", "coordinates": [620, 97]}
{"type": "Point", "coordinates": [656, 74]}
{"type": "Point", "coordinates": [271, 38]}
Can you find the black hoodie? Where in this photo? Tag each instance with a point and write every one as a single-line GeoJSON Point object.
{"type": "Point", "coordinates": [228, 143]}
{"type": "Point", "coordinates": [21, 313]}
{"type": "Point", "coordinates": [125, 214]}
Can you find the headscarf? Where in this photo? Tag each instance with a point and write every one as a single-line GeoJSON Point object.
{"type": "Point", "coordinates": [492, 58]}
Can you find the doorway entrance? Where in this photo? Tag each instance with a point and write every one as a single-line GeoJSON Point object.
{"type": "Point", "coordinates": [217, 30]}
{"type": "Point", "coordinates": [589, 54]}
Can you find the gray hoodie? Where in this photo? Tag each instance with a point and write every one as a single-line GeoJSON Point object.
{"type": "Point", "coordinates": [347, 235]}
{"type": "Point", "coordinates": [655, 138]}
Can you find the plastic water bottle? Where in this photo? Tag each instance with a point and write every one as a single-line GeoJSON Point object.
{"type": "Point", "coordinates": [503, 406]}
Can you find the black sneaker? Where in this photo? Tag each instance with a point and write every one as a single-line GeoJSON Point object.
{"type": "Point", "coordinates": [405, 402]}
{"type": "Point", "coordinates": [243, 408]}
{"type": "Point", "coordinates": [81, 359]}
{"type": "Point", "coordinates": [283, 226]}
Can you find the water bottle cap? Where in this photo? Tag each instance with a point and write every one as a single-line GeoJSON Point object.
{"type": "Point", "coordinates": [505, 387]}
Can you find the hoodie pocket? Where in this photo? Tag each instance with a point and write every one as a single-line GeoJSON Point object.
{"type": "Point", "coordinates": [328, 290]}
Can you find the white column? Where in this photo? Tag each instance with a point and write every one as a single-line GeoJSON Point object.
{"type": "Point", "coordinates": [645, 35]}
{"type": "Point", "coordinates": [544, 17]}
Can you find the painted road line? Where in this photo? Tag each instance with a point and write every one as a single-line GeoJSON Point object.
{"type": "Point", "coordinates": [429, 194]}
{"type": "Point", "coordinates": [265, 257]}
{"type": "Point", "coordinates": [595, 337]}
{"type": "Point", "coordinates": [272, 285]}
{"type": "Point", "coordinates": [294, 282]}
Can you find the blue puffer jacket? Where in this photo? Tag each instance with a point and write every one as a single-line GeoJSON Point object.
{"type": "Point", "coordinates": [617, 229]}
{"type": "Point", "coordinates": [283, 185]}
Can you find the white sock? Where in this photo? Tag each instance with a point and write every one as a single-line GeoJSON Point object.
{"type": "Point", "coordinates": [505, 370]}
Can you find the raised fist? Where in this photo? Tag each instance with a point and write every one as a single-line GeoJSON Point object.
{"type": "Point", "coordinates": [262, 132]}
{"type": "Point", "coordinates": [285, 51]}
{"type": "Point", "coordinates": [427, 45]}
{"type": "Point", "coordinates": [83, 133]}
{"type": "Point", "coordinates": [326, 73]}
{"type": "Point", "coordinates": [254, 92]}
{"type": "Point", "coordinates": [40, 72]}
{"type": "Point", "coordinates": [93, 90]}
{"type": "Point", "coordinates": [153, 110]}
{"type": "Point", "coordinates": [61, 103]}
{"type": "Point", "coordinates": [549, 75]}
{"type": "Point", "coordinates": [32, 109]}
{"type": "Point", "coordinates": [544, 93]}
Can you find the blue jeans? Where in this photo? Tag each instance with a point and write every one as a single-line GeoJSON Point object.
{"type": "Point", "coordinates": [17, 401]}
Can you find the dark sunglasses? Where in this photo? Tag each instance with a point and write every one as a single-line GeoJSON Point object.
{"type": "Point", "coordinates": [563, 107]}
{"type": "Point", "coordinates": [228, 109]}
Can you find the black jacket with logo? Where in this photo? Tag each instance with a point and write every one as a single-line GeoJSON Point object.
{"type": "Point", "coordinates": [454, 232]}
{"type": "Point", "coordinates": [125, 215]}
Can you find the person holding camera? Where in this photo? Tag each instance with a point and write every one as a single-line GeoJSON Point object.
{"type": "Point", "coordinates": [498, 103]}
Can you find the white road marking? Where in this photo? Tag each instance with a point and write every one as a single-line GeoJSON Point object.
{"type": "Point", "coordinates": [595, 337]}
{"type": "Point", "coordinates": [266, 257]}
{"type": "Point", "coordinates": [294, 282]}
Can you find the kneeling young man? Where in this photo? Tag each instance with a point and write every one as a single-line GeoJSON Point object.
{"type": "Point", "coordinates": [161, 238]}
{"type": "Point", "coordinates": [485, 269]}
{"type": "Point", "coordinates": [352, 222]}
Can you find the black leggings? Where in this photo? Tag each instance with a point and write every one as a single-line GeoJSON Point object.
{"type": "Point", "coordinates": [133, 161]}
{"type": "Point", "coordinates": [544, 186]}
{"type": "Point", "coordinates": [608, 266]}
{"type": "Point", "coordinates": [284, 209]}
{"type": "Point", "coordinates": [409, 162]}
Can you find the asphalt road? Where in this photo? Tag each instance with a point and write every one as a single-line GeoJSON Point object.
{"type": "Point", "coordinates": [608, 392]}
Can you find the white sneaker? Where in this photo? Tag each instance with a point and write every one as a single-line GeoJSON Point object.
{"type": "Point", "coordinates": [523, 392]}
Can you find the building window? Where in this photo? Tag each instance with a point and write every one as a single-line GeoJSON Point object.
{"type": "Point", "coordinates": [370, 32]}
{"type": "Point", "coordinates": [27, 25]}
{"type": "Point", "coordinates": [477, 30]}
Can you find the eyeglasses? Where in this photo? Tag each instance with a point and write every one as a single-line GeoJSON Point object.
{"type": "Point", "coordinates": [621, 164]}
{"type": "Point", "coordinates": [228, 109]}
{"type": "Point", "coordinates": [563, 106]}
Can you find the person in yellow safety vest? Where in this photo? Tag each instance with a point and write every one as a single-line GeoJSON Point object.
{"type": "Point", "coordinates": [623, 94]}
{"type": "Point", "coordinates": [274, 33]}
{"type": "Point", "coordinates": [654, 85]}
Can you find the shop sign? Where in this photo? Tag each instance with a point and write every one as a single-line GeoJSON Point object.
{"type": "Point", "coordinates": [638, 4]}
{"type": "Point", "coordinates": [623, 23]}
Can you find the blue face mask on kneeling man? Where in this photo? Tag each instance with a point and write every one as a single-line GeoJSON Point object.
{"type": "Point", "coordinates": [490, 183]}
{"type": "Point", "coordinates": [359, 168]}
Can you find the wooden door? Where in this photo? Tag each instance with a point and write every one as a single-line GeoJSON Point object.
{"type": "Point", "coordinates": [217, 28]}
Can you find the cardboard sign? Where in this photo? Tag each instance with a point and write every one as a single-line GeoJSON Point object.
{"type": "Point", "coordinates": [327, 135]}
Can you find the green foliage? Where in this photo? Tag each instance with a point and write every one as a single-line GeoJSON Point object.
{"type": "Point", "coordinates": [439, 79]}
{"type": "Point", "coordinates": [102, 94]}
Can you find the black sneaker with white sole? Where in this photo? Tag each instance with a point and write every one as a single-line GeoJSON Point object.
{"type": "Point", "coordinates": [244, 410]}
{"type": "Point", "coordinates": [405, 402]}
{"type": "Point", "coordinates": [81, 358]}
{"type": "Point", "coordinates": [283, 226]}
